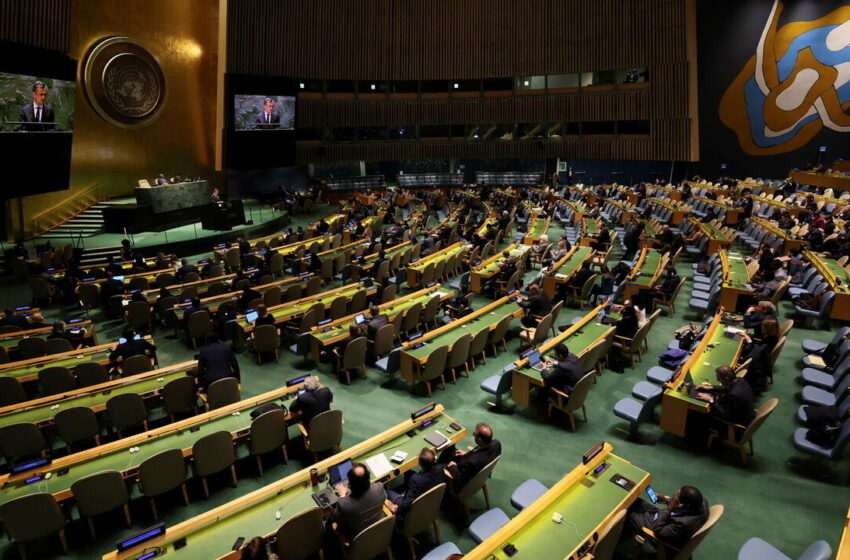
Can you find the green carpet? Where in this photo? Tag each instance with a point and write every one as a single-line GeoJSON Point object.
{"type": "Point", "coordinates": [768, 499]}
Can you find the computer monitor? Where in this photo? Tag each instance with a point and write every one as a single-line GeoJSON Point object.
{"type": "Point", "coordinates": [339, 472]}
{"type": "Point", "coordinates": [251, 316]}
{"type": "Point", "coordinates": [359, 318]}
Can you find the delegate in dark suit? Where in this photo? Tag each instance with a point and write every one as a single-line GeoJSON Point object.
{"type": "Point", "coordinates": [362, 507]}
{"type": "Point", "coordinates": [28, 115]}
{"type": "Point", "coordinates": [312, 402]}
{"type": "Point", "coordinates": [267, 120]}
{"type": "Point", "coordinates": [374, 324]}
{"type": "Point", "coordinates": [431, 475]}
{"type": "Point", "coordinates": [537, 305]}
{"type": "Point", "coordinates": [734, 403]}
{"type": "Point", "coordinates": [686, 512]}
{"type": "Point", "coordinates": [565, 373]}
{"type": "Point", "coordinates": [464, 466]}
{"type": "Point", "coordinates": [216, 361]}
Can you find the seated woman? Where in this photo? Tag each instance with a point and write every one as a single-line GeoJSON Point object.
{"type": "Point", "coordinates": [627, 326]}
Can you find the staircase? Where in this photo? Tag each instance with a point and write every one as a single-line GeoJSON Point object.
{"type": "Point", "coordinates": [87, 223]}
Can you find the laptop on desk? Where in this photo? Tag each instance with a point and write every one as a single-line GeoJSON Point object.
{"type": "Point", "coordinates": [337, 474]}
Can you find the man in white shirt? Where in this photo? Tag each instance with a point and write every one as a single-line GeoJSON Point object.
{"type": "Point", "coordinates": [38, 111]}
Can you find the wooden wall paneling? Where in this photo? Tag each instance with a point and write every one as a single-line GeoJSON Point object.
{"type": "Point", "coordinates": [43, 23]}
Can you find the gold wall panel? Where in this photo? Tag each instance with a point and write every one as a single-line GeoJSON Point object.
{"type": "Point", "coordinates": [183, 35]}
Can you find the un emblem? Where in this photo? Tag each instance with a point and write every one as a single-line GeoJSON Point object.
{"type": "Point", "coordinates": [123, 82]}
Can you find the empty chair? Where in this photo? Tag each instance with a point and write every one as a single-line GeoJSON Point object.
{"type": "Point", "coordinates": [410, 323]}
{"type": "Point", "coordinates": [223, 392]}
{"type": "Point", "coordinates": [339, 307]}
{"type": "Point", "coordinates": [55, 380]}
{"type": "Point", "coordinates": [135, 365]}
{"type": "Point", "coordinates": [459, 356]}
{"type": "Point", "coordinates": [127, 411]}
{"type": "Point", "coordinates": [816, 347]}
{"type": "Point", "coordinates": [324, 433]}
{"type": "Point", "coordinates": [76, 424]}
{"type": "Point", "coordinates": [638, 412]}
{"type": "Point", "coordinates": [266, 340]}
{"type": "Point", "coordinates": [32, 347]}
{"type": "Point", "coordinates": [497, 335]}
{"type": "Point", "coordinates": [32, 517]}
{"type": "Point", "coordinates": [442, 552]}
{"type": "Point", "coordinates": [429, 312]}
{"type": "Point", "coordinates": [90, 373]}
{"type": "Point", "coordinates": [198, 325]}
{"type": "Point", "coordinates": [11, 391]}
{"type": "Point", "coordinates": [434, 368]}
{"type": "Point", "coordinates": [212, 454]}
{"type": "Point", "coordinates": [758, 549]}
{"type": "Point", "coordinates": [372, 541]}
{"type": "Point", "coordinates": [487, 523]}
{"type": "Point", "coordinates": [139, 315]}
{"type": "Point", "coordinates": [527, 492]}
{"type": "Point", "coordinates": [99, 493]}
{"type": "Point", "coordinates": [478, 345]}
{"type": "Point", "coordinates": [384, 341]}
{"type": "Point", "coordinates": [268, 433]}
{"type": "Point", "coordinates": [21, 441]}
{"type": "Point", "coordinates": [572, 402]}
{"type": "Point", "coordinates": [162, 473]}
{"type": "Point", "coordinates": [180, 396]}
{"type": "Point", "coordinates": [57, 346]}
{"type": "Point", "coordinates": [498, 385]}
{"type": "Point", "coordinates": [353, 358]}
{"type": "Point", "coordinates": [300, 537]}
{"type": "Point", "coordinates": [422, 515]}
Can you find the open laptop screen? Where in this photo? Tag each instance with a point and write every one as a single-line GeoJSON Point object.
{"type": "Point", "coordinates": [339, 472]}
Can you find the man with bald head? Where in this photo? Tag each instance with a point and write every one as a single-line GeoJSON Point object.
{"type": "Point", "coordinates": [464, 465]}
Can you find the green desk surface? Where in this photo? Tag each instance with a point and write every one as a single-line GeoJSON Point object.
{"type": "Point", "coordinates": [333, 253]}
{"type": "Point", "coordinates": [715, 233]}
{"type": "Point", "coordinates": [703, 370]}
{"type": "Point", "coordinates": [578, 206]}
{"type": "Point", "coordinates": [94, 354]}
{"type": "Point", "coordinates": [369, 260]}
{"type": "Point", "coordinates": [584, 505]}
{"type": "Point", "coordinates": [122, 460]}
{"type": "Point", "coordinates": [649, 229]}
{"type": "Point", "coordinates": [10, 341]}
{"type": "Point", "coordinates": [538, 228]}
{"type": "Point", "coordinates": [214, 301]}
{"type": "Point", "coordinates": [283, 312]}
{"type": "Point", "coordinates": [494, 266]}
{"type": "Point", "coordinates": [738, 276]}
{"type": "Point", "coordinates": [577, 343]}
{"type": "Point", "coordinates": [392, 311]}
{"type": "Point", "coordinates": [450, 336]}
{"type": "Point", "coordinates": [647, 269]}
{"type": "Point", "coordinates": [590, 227]}
{"type": "Point", "coordinates": [47, 411]}
{"type": "Point", "coordinates": [839, 271]}
{"type": "Point", "coordinates": [202, 286]}
{"type": "Point", "coordinates": [574, 262]}
{"type": "Point", "coordinates": [215, 539]}
{"type": "Point", "coordinates": [434, 257]}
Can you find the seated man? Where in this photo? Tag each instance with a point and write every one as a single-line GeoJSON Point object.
{"type": "Point", "coordinates": [565, 372]}
{"type": "Point", "coordinates": [685, 513]}
{"type": "Point", "coordinates": [249, 294]}
{"type": "Point", "coordinates": [313, 401]}
{"type": "Point", "coordinates": [536, 305]}
{"type": "Point", "coordinates": [59, 331]}
{"type": "Point", "coordinates": [430, 475]}
{"type": "Point", "coordinates": [184, 269]}
{"type": "Point", "coordinates": [464, 465]}
{"type": "Point", "coordinates": [732, 400]}
{"type": "Point", "coordinates": [12, 320]}
{"type": "Point", "coordinates": [360, 505]}
{"type": "Point", "coordinates": [758, 313]}
{"type": "Point", "coordinates": [376, 321]}
{"type": "Point", "coordinates": [668, 286]}
{"type": "Point", "coordinates": [130, 347]}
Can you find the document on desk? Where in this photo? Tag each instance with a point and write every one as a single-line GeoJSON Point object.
{"type": "Point", "coordinates": [379, 465]}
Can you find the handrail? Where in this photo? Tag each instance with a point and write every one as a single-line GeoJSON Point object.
{"type": "Point", "coordinates": [66, 209]}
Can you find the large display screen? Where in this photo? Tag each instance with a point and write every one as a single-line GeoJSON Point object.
{"type": "Point", "coordinates": [263, 112]}
{"type": "Point", "coordinates": [35, 104]}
